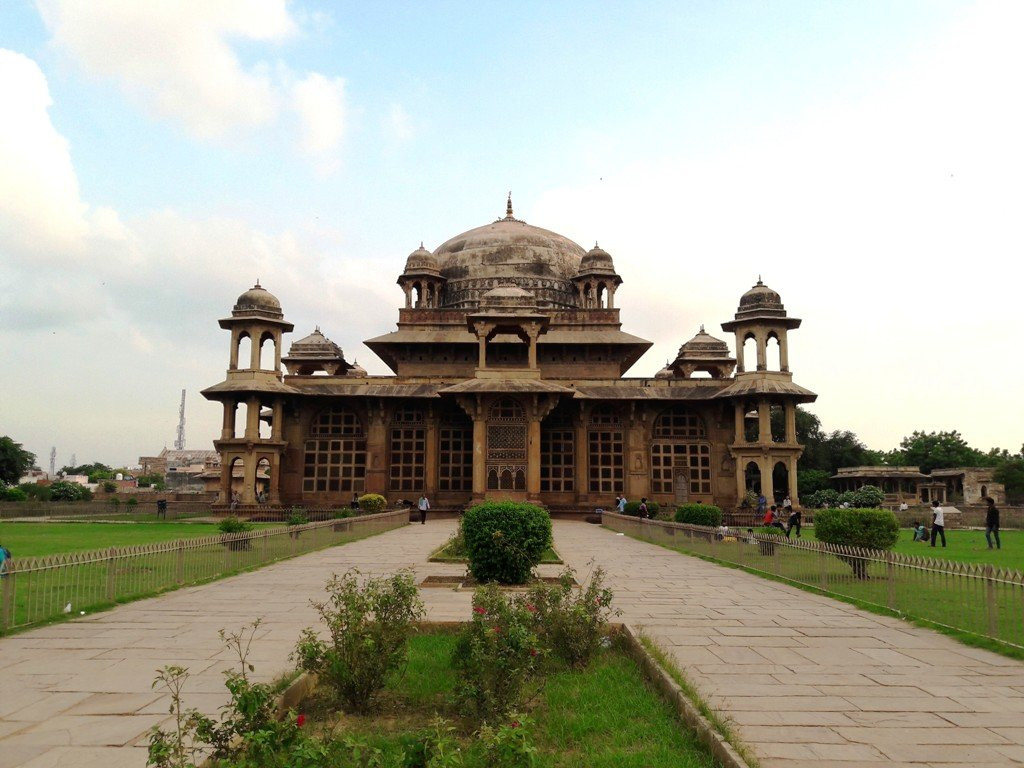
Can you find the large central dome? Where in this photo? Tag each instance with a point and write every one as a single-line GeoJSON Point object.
{"type": "Point", "coordinates": [509, 251]}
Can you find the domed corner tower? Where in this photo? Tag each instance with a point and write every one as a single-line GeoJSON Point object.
{"type": "Point", "coordinates": [421, 281]}
{"type": "Point", "coordinates": [702, 353]}
{"type": "Point", "coordinates": [765, 448]}
{"type": "Point", "coordinates": [596, 280]}
{"type": "Point", "coordinates": [251, 456]}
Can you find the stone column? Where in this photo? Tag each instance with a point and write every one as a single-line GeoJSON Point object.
{"type": "Point", "coordinates": [277, 353]}
{"type": "Point", "coordinates": [227, 430]}
{"type": "Point", "coordinates": [224, 496]}
{"type": "Point", "coordinates": [794, 486]}
{"type": "Point", "coordinates": [533, 456]}
{"type": "Point", "coordinates": [430, 458]}
{"type": "Point", "coordinates": [274, 490]}
{"type": "Point", "coordinates": [254, 350]}
{"type": "Point", "coordinates": [767, 487]}
{"type": "Point", "coordinates": [790, 408]}
{"type": "Point", "coordinates": [741, 413]}
{"type": "Point", "coordinates": [764, 421]}
{"type": "Point", "coordinates": [276, 425]}
{"type": "Point", "coordinates": [249, 483]}
{"type": "Point", "coordinates": [532, 332]}
{"type": "Point", "coordinates": [762, 358]}
{"type": "Point", "coordinates": [741, 479]}
{"type": "Point", "coordinates": [784, 357]}
{"type": "Point", "coordinates": [636, 450]}
{"type": "Point", "coordinates": [479, 456]}
{"type": "Point", "coordinates": [252, 420]}
{"type": "Point", "coordinates": [376, 449]}
{"type": "Point", "coordinates": [739, 353]}
{"type": "Point", "coordinates": [582, 457]}
{"type": "Point", "coordinates": [233, 359]}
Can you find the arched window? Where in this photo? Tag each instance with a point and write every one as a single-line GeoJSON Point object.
{"type": "Point", "coordinates": [680, 453]}
{"type": "Point", "coordinates": [244, 352]}
{"type": "Point", "coordinates": [335, 456]}
{"type": "Point", "coordinates": [408, 449]}
{"type": "Point", "coordinates": [268, 352]}
{"type": "Point", "coordinates": [262, 487]}
{"type": "Point", "coordinates": [772, 353]}
{"type": "Point", "coordinates": [605, 468]}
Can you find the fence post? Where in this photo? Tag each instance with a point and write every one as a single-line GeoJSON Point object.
{"type": "Point", "coordinates": [6, 600]}
{"type": "Point", "coordinates": [822, 571]}
{"type": "Point", "coordinates": [111, 573]}
{"type": "Point", "coordinates": [890, 575]}
{"type": "Point", "coordinates": [990, 601]}
{"type": "Point", "coordinates": [180, 575]}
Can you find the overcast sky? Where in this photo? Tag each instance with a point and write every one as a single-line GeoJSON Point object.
{"type": "Point", "coordinates": [865, 158]}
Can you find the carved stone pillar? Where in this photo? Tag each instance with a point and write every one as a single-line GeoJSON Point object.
{"type": "Point", "coordinates": [430, 458]}
{"type": "Point", "coordinates": [376, 448]}
{"type": "Point", "coordinates": [764, 421]}
{"type": "Point", "coordinates": [276, 426]}
{"type": "Point", "coordinates": [227, 430]}
{"type": "Point", "coordinates": [249, 483]}
{"type": "Point", "coordinates": [740, 415]}
{"type": "Point", "coordinates": [252, 420]}
{"type": "Point", "coordinates": [790, 408]}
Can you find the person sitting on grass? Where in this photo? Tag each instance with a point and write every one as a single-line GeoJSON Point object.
{"type": "Point", "coordinates": [920, 532]}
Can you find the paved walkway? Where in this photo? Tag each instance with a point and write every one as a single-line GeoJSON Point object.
{"type": "Point", "coordinates": [807, 680]}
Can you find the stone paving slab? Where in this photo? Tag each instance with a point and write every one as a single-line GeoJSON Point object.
{"type": "Point", "coordinates": [844, 687]}
{"type": "Point", "coordinates": [806, 680]}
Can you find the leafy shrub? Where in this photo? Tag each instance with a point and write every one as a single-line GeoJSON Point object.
{"type": "Point", "coordinates": [14, 494]}
{"type": "Point", "coordinates": [868, 496]}
{"type": "Point", "coordinates": [36, 491]}
{"type": "Point", "coordinates": [505, 540]}
{"type": "Point", "coordinates": [131, 503]}
{"type": "Point", "coordinates": [496, 656]}
{"type": "Point", "coordinates": [230, 524]}
{"type": "Point", "coordinates": [509, 745]}
{"type": "Point", "coordinates": [368, 629]}
{"type": "Point", "coordinates": [633, 509]}
{"type": "Point", "coordinates": [109, 486]}
{"type": "Point", "coordinates": [867, 528]}
{"type": "Point", "coordinates": [65, 491]}
{"type": "Point", "coordinates": [343, 513]}
{"type": "Point", "coordinates": [571, 622]}
{"type": "Point", "coordinates": [699, 514]}
{"type": "Point", "coordinates": [371, 503]}
{"type": "Point", "coordinates": [827, 497]}
{"type": "Point", "coordinates": [297, 516]}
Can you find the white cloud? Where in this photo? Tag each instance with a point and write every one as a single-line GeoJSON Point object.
{"type": "Point", "coordinates": [320, 104]}
{"type": "Point", "coordinates": [180, 61]}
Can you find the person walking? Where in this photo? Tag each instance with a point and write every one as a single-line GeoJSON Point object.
{"type": "Point", "coordinates": [762, 504]}
{"type": "Point", "coordinates": [643, 507]}
{"type": "Point", "coordinates": [620, 505]}
{"type": "Point", "coordinates": [161, 509]}
{"type": "Point", "coordinates": [794, 521]}
{"type": "Point", "coordinates": [423, 505]}
{"type": "Point", "coordinates": [992, 523]}
{"type": "Point", "coordinates": [938, 523]}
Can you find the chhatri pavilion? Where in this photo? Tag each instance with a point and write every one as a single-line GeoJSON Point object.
{"type": "Point", "coordinates": [509, 365]}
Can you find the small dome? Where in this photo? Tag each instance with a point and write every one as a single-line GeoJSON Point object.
{"type": "Point", "coordinates": [316, 345]}
{"type": "Point", "coordinates": [258, 299]}
{"type": "Point", "coordinates": [508, 296]}
{"type": "Point", "coordinates": [356, 370]}
{"type": "Point", "coordinates": [666, 372]}
{"type": "Point", "coordinates": [421, 261]}
{"type": "Point", "coordinates": [760, 298]}
{"type": "Point", "coordinates": [703, 346]}
{"type": "Point", "coordinates": [597, 260]}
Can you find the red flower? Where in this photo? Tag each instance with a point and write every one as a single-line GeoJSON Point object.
{"type": "Point", "coordinates": [533, 651]}
{"type": "Point", "coordinates": [515, 723]}
{"type": "Point", "coordinates": [300, 720]}
{"type": "Point", "coordinates": [479, 609]}
{"type": "Point", "coordinates": [496, 630]}
{"type": "Point", "coordinates": [531, 607]}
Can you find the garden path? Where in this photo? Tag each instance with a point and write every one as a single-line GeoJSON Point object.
{"type": "Point", "coordinates": [807, 680]}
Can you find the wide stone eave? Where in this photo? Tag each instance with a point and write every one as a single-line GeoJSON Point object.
{"type": "Point", "coordinates": [267, 386]}
{"type": "Point", "coordinates": [752, 387]}
{"type": "Point", "coordinates": [703, 392]}
{"type": "Point", "coordinates": [512, 386]}
{"type": "Point", "coordinates": [323, 386]}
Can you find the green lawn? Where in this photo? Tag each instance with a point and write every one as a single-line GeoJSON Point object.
{"type": "Point", "coordinates": [968, 547]}
{"type": "Point", "coordinates": [36, 539]}
{"type": "Point", "coordinates": [605, 717]}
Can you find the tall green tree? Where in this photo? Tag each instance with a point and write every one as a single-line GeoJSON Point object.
{"type": "Point", "coordinates": [828, 451]}
{"type": "Point", "coordinates": [938, 450]}
{"type": "Point", "coordinates": [15, 461]}
{"type": "Point", "coordinates": [1011, 474]}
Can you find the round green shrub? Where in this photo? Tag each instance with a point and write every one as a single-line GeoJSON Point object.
{"type": "Point", "coordinates": [867, 528]}
{"type": "Point", "coordinates": [868, 496]}
{"type": "Point", "coordinates": [826, 497]}
{"type": "Point", "coordinates": [65, 491]}
{"type": "Point", "coordinates": [505, 540]}
{"type": "Point", "coordinates": [233, 525]}
{"type": "Point", "coordinates": [297, 516]}
{"type": "Point", "coordinates": [699, 514]}
{"type": "Point", "coordinates": [14, 494]}
{"type": "Point", "coordinates": [372, 503]}
{"type": "Point", "coordinates": [633, 508]}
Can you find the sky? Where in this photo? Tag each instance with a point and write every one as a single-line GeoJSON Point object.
{"type": "Point", "coordinates": [156, 159]}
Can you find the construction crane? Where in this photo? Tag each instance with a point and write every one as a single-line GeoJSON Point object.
{"type": "Point", "coordinates": [179, 443]}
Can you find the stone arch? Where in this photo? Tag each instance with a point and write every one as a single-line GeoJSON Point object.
{"type": "Point", "coordinates": [773, 352]}
{"type": "Point", "coordinates": [268, 352]}
{"type": "Point", "coordinates": [752, 477]}
{"type": "Point", "coordinates": [243, 351]}
{"type": "Point", "coordinates": [780, 482]}
{"type": "Point", "coordinates": [748, 351]}
{"type": "Point", "coordinates": [261, 487]}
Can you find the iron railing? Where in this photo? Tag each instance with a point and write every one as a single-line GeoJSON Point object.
{"type": "Point", "coordinates": [38, 589]}
{"type": "Point", "coordinates": [974, 598]}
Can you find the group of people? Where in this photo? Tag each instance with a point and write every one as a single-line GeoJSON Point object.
{"type": "Point", "coordinates": [773, 517]}
{"type": "Point", "coordinates": [938, 532]}
{"type": "Point", "coordinates": [642, 510]}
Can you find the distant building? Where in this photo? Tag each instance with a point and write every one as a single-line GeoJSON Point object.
{"type": "Point", "coordinates": [959, 485]}
{"type": "Point", "coordinates": [182, 470]}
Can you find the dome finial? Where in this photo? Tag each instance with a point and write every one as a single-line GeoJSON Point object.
{"type": "Point", "coordinates": [421, 244]}
{"type": "Point", "coordinates": [508, 206]}
{"type": "Point", "coordinates": [702, 327]}
{"type": "Point", "coordinates": [759, 280]}
{"type": "Point", "coordinates": [257, 283]}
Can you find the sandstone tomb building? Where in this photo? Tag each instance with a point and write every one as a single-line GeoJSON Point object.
{"type": "Point", "coordinates": [509, 366]}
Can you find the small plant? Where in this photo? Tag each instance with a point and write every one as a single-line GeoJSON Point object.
{"type": "Point", "coordinates": [372, 503]}
{"type": "Point", "coordinates": [297, 517]}
{"type": "Point", "coordinates": [699, 514]}
{"type": "Point", "coordinates": [497, 655]}
{"type": "Point", "coordinates": [231, 525]}
{"type": "Point", "coordinates": [571, 621]}
{"type": "Point", "coordinates": [175, 748]}
{"type": "Point", "coordinates": [510, 745]}
{"type": "Point", "coordinates": [14, 494]}
{"type": "Point", "coordinates": [505, 540]}
{"type": "Point", "coordinates": [109, 486]}
{"type": "Point", "coordinates": [368, 626]}
{"type": "Point", "coordinates": [343, 513]}
{"type": "Point", "coordinates": [131, 504]}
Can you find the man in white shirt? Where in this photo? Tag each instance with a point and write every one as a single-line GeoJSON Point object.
{"type": "Point", "coordinates": [424, 505]}
{"type": "Point", "coordinates": [938, 523]}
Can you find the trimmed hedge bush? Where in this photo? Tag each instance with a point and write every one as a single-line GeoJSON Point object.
{"type": "Point", "coordinates": [505, 540]}
{"type": "Point", "coordinates": [372, 503]}
{"type": "Point", "coordinates": [633, 509]}
{"type": "Point", "coordinates": [867, 528]}
{"type": "Point", "coordinates": [699, 514]}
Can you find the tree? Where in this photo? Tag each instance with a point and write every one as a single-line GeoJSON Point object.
{"type": "Point", "coordinates": [15, 461]}
{"type": "Point", "coordinates": [827, 452]}
{"type": "Point", "coordinates": [1011, 474]}
{"type": "Point", "coordinates": [938, 450]}
{"type": "Point", "coordinates": [812, 480]}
